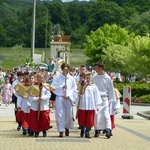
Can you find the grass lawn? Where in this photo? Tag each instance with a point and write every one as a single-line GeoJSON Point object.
{"type": "Point", "coordinates": [77, 57]}
{"type": "Point", "coordinates": [14, 58]}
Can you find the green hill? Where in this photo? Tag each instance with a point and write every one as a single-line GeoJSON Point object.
{"type": "Point", "coordinates": [18, 1]}
{"type": "Point", "coordinates": [14, 57]}
{"type": "Point", "coordinates": [18, 4]}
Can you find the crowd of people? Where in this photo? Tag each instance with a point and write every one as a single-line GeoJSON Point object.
{"type": "Point", "coordinates": [91, 91]}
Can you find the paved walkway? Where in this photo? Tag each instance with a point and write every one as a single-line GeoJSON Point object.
{"type": "Point", "coordinates": [130, 134]}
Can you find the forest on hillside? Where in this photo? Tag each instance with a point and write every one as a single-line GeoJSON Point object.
{"type": "Point", "coordinates": [75, 18]}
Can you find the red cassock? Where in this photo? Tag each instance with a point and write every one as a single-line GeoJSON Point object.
{"type": "Point", "coordinates": [86, 118]}
{"type": "Point", "coordinates": [25, 120]}
{"type": "Point", "coordinates": [19, 116]}
{"type": "Point", "coordinates": [112, 117]}
{"type": "Point", "coordinates": [41, 124]}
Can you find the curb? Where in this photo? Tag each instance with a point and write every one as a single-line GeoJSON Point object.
{"type": "Point", "coordinates": [138, 104]}
{"type": "Point", "coordinates": [143, 115]}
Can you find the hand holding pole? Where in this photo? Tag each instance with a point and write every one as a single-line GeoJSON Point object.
{"type": "Point", "coordinates": [39, 104]}
{"type": "Point", "coordinates": [80, 92]}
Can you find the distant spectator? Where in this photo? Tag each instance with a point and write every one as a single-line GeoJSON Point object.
{"type": "Point", "coordinates": [7, 93]}
{"type": "Point", "coordinates": [12, 78]}
{"type": "Point", "coordinates": [82, 69]}
{"type": "Point", "coordinates": [28, 69]}
{"type": "Point", "coordinates": [72, 71]}
{"type": "Point", "coordinates": [51, 65]}
{"type": "Point", "coordinates": [118, 76]}
{"type": "Point", "coordinates": [3, 73]}
{"type": "Point", "coordinates": [89, 68]}
{"type": "Point", "coordinates": [2, 81]}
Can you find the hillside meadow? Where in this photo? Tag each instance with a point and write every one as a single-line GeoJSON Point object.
{"type": "Point", "coordinates": [13, 58]}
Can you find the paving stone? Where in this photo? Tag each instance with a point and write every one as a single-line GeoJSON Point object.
{"type": "Point", "coordinates": [133, 134]}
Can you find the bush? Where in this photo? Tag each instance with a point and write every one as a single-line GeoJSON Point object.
{"type": "Point", "coordinates": [138, 90]}
{"type": "Point", "coordinates": [145, 99]}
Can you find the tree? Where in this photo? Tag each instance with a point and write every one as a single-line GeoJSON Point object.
{"type": "Point", "coordinates": [102, 12]}
{"type": "Point", "coordinates": [140, 57]}
{"type": "Point", "coordinates": [139, 23]}
{"type": "Point", "coordinates": [3, 36]}
{"type": "Point", "coordinates": [139, 5]}
{"type": "Point", "coordinates": [104, 37]}
{"type": "Point", "coordinates": [1, 2]}
{"type": "Point", "coordinates": [78, 36]}
{"type": "Point", "coordinates": [9, 22]}
{"type": "Point", "coordinates": [42, 13]}
{"type": "Point", "coordinates": [116, 57]}
{"type": "Point", "coordinates": [134, 57]}
{"type": "Point", "coordinates": [74, 16]}
{"type": "Point", "coordinates": [59, 16]}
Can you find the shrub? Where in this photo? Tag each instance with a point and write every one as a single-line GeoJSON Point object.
{"type": "Point", "coordinates": [138, 90]}
{"type": "Point", "coordinates": [145, 99]}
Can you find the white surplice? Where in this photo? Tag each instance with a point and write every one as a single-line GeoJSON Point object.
{"type": "Point", "coordinates": [44, 104]}
{"type": "Point", "coordinates": [90, 98]}
{"type": "Point", "coordinates": [106, 90]}
{"type": "Point", "coordinates": [13, 87]}
{"type": "Point", "coordinates": [24, 104]}
{"type": "Point", "coordinates": [64, 108]}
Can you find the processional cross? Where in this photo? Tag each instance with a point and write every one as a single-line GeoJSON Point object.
{"type": "Point", "coordinates": [65, 51]}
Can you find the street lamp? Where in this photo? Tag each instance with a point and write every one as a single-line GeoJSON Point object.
{"type": "Point", "coordinates": [46, 35]}
{"type": "Point", "coordinates": [33, 30]}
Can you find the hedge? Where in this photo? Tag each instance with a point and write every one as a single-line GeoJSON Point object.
{"type": "Point", "coordinates": [140, 91]}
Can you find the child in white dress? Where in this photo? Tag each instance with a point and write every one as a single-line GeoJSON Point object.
{"type": "Point", "coordinates": [7, 93]}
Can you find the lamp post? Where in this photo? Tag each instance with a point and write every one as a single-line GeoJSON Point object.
{"type": "Point", "coordinates": [33, 30]}
{"type": "Point", "coordinates": [46, 35]}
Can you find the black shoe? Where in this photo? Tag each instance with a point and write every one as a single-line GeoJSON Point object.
{"type": "Point", "coordinates": [50, 127]}
{"type": "Point", "coordinates": [36, 134]}
{"type": "Point", "coordinates": [18, 128]}
{"type": "Point", "coordinates": [25, 130]}
{"type": "Point", "coordinates": [96, 133]}
{"type": "Point", "coordinates": [28, 131]}
{"type": "Point", "coordinates": [111, 133]}
{"type": "Point", "coordinates": [82, 133]}
{"type": "Point", "coordinates": [108, 135]}
{"type": "Point", "coordinates": [31, 133]}
{"type": "Point", "coordinates": [61, 134]}
{"type": "Point", "coordinates": [104, 131]}
{"type": "Point", "coordinates": [44, 133]}
{"type": "Point", "coordinates": [66, 132]}
{"type": "Point", "coordinates": [87, 136]}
